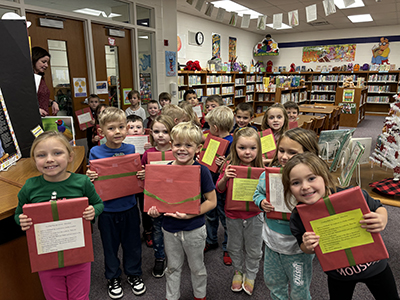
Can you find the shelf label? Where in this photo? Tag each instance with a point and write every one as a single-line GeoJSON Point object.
{"type": "Point", "coordinates": [277, 72]}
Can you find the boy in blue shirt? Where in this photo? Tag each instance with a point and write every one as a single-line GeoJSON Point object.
{"type": "Point", "coordinates": [183, 233]}
{"type": "Point", "coordinates": [244, 113]}
{"type": "Point", "coordinates": [119, 224]}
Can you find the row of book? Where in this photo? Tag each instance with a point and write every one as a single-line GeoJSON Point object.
{"type": "Point", "coordinates": [250, 88]}
{"type": "Point", "coordinates": [227, 100]}
{"type": "Point", "coordinates": [239, 81]}
{"type": "Point", "coordinates": [194, 79]}
{"type": "Point", "coordinates": [249, 97]}
{"type": "Point", "coordinates": [327, 78]}
{"type": "Point", "coordinates": [378, 99]}
{"type": "Point", "coordinates": [213, 90]}
{"type": "Point", "coordinates": [322, 97]}
{"type": "Point", "coordinates": [239, 93]}
{"type": "Point", "coordinates": [382, 77]}
{"type": "Point", "coordinates": [324, 87]}
{"type": "Point", "coordinates": [251, 78]}
{"type": "Point", "coordinates": [266, 97]}
{"type": "Point", "coordinates": [227, 90]}
{"type": "Point", "coordinates": [379, 88]}
{"type": "Point", "coordinates": [181, 80]}
{"type": "Point", "coordinates": [213, 79]}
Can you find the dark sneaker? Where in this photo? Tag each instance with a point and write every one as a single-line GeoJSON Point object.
{"type": "Point", "coordinates": [137, 285]}
{"type": "Point", "coordinates": [159, 268]}
{"type": "Point", "coordinates": [115, 288]}
{"type": "Point", "coordinates": [210, 247]}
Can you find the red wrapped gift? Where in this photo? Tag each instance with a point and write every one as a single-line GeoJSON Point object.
{"type": "Point", "coordinates": [160, 157]}
{"type": "Point", "coordinates": [293, 124]}
{"type": "Point", "coordinates": [274, 194]}
{"type": "Point", "coordinates": [343, 242]}
{"type": "Point", "coordinates": [268, 145]}
{"type": "Point", "coordinates": [213, 148]}
{"type": "Point", "coordinates": [85, 118]}
{"type": "Point", "coordinates": [59, 237]}
{"type": "Point", "coordinates": [117, 176]}
{"type": "Point", "coordinates": [240, 190]}
{"type": "Point", "coordinates": [173, 188]}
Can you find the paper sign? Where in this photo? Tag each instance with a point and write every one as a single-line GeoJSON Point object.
{"type": "Point", "coordinates": [276, 193]}
{"type": "Point", "coordinates": [261, 22]}
{"type": "Point", "coordinates": [211, 151]}
{"type": "Point", "coordinates": [85, 118]}
{"type": "Point", "coordinates": [245, 21]}
{"type": "Point", "coordinates": [267, 143]}
{"type": "Point", "coordinates": [138, 141]}
{"type": "Point", "coordinates": [220, 14]}
{"type": "Point", "coordinates": [59, 235]}
{"type": "Point", "coordinates": [277, 21]}
{"type": "Point", "coordinates": [341, 231]}
{"type": "Point", "coordinates": [243, 189]}
{"type": "Point", "coordinates": [80, 87]}
{"type": "Point", "coordinates": [311, 13]}
{"type": "Point", "coordinates": [293, 17]}
{"type": "Point", "coordinates": [101, 87]}
{"type": "Point", "coordinates": [197, 111]}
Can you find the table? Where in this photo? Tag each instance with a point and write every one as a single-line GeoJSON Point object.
{"type": "Point", "coordinates": [317, 109]}
{"type": "Point", "coordinates": [300, 121]}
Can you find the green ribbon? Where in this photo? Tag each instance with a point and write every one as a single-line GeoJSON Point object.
{"type": "Point", "coordinates": [180, 202]}
{"type": "Point", "coordinates": [331, 211]}
{"type": "Point", "coordinates": [54, 212]}
{"type": "Point", "coordinates": [216, 154]}
{"type": "Point", "coordinates": [248, 177]}
{"type": "Point", "coordinates": [105, 177]}
{"type": "Point", "coordinates": [162, 155]}
{"type": "Point", "coordinates": [285, 216]}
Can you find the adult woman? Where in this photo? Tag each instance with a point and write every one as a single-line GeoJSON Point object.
{"type": "Point", "coordinates": [40, 62]}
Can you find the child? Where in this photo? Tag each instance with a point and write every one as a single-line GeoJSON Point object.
{"type": "Point", "coordinates": [153, 110]}
{"type": "Point", "coordinates": [135, 108]}
{"type": "Point", "coordinates": [221, 123]}
{"type": "Point", "coordinates": [212, 102]}
{"type": "Point", "coordinates": [187, 107]}
{"type": "Point", "coordinates": [244, 228]}
{"type": "Point", "coordinates": [185, 234]}
{"type": "Point", "coordinates": [93, 102]}
{"type": "Point", "coordinates": [135, 125]}
{"type": "Point", "coordinates": [277, 119]}
{"type": "Point", "coordinates": [244, 113]}
{"type": "Point", "coordinates": [283, 259]}
{"type": "Point", "coordinates": [292, 110]}
{"type": "Point", "coordinates": [307, 178]}
{"type": "Point", "coordinates": [95, 134]}
{"type": "Point", "coordinates": [190, 96]}
{"type": "Point", "coordinates": [52, 154]}
{"type": "Point", "coordinates": [161, 140]}
{"type": "Point", "coordinates": [164, 98]}
{"type": "Point", "coordinates": [119, 223]}
{"type": "Point", "coordinates": [177, 114]}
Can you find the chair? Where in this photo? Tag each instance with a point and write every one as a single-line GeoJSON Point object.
{"type": "Point", "coordinates": [308, 124]}
{"type": "Point", "coordinates": [338, 118]}
{"type": "Point", "coordinates": [319, 124]}
{"type": "Point", "coordinates": [333, 119]}
{"type": "Point", "coordinates": [259, 114]}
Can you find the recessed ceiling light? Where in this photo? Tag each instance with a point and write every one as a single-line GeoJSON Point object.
{"type": "Point", "coordinates": [145, 37]}
{"type": "Point", "coordinates": [340, 4]}
{"type": "Point", "coordinates": [235, 7]}
{"type": "Point", "coordinates": [284, 26]}
{"type": "Point", "coordinates": [360, 18]}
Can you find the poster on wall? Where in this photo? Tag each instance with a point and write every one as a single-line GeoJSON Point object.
{"type": "Point", "coordinates": [216, 45]}
{"type": "Point", "coordinates": [145, 87]}
{"type": "Point", "coordinates": [9, 149]}
{"type": "Point", "coordinates": [125, 93]}
{"type": "Point", "coordinates": [232, 48]}
{"type": "Point", "coordinates": [101, 87]}
{"type": "Point", "coordinates": [348, 95]}
{"type": "Point", "coordinates": [170, 63]}
{"type": "Point", "coordinates": [330, 53]}
{"type": "Point", "coordinates": [80, 87]}
{"type": "Point", "coordinates": [182, 46]}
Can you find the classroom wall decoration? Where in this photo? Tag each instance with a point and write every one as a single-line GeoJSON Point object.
{"type": "Point", "coordinates": [170, 63]}
{"type": "Point", "coordinates": [380, 53]}
{"type": "Point", "coordinates": [232, 48]}
{"type": "Point", "coordinates": [266, 47]}
{"type": "Point", "coordinates": [330, 53]}
{"type": "Point", "coordinates": [216, 45]}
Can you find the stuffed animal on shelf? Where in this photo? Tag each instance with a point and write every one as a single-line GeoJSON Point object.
{"type": "Point", "coordinates": [302, 82]}
{"type": "Point", "coordinates": [292, 67]}
{"type": "Point", "coordinates": [365, 67]}
{"type": "Point", "coordinates": [336, 69]}
{"type": "Point", "coordinates": [193, 66]}
{"type": "Point", "coordinates": [350, 67]}
{"type": "Point", "coordinates": [269, 66]}
{"type": "Point", "coordinates": [356, 68]}
{"type": "Point", "coordinates": [348, 82]}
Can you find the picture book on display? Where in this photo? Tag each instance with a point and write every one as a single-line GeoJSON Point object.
{"type": "Point", "coordinates": [329, 142]}
{"type": "Point", "coordinates": [356, 153]}
{"type": "Point", "coordinates": [85, 118]}
{"type": "Point", "coordinates": [344, 143]}
{"type": "Point", "coordinates": [367, 144]}
{"type": "Point", "coordinates": [63, 124]}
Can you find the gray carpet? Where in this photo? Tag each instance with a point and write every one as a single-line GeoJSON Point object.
{"type": "Point", "coordinates": [220, 276]}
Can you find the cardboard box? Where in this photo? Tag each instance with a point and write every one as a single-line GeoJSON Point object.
{"type": "Point", "coordinates": [160, 157]}
{"type": "Point", "coordinates": [238, 197]}
{"type": "Point", "coordinates": [213, 148]}
{"type": "Point", "coordinates": [84, 117]}
{"type": "Point", "coordinates": [173, 188]}
{"type": "Point", "coordinates": [335, 218]}
{"type": "Point", "coordinates": [268, 144]}
{"type": "Point", "coordinates": [49, 246]}
{"type": "Point", "coordinates": [117, 176]}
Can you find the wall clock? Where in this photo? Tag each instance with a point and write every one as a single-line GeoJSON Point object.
{"type": "Point", "coordinates": [199, 37]}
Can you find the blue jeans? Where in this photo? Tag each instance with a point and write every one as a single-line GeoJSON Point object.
{"type": "Point", "coordinates": [158, 238]}
{"type": "Point", "coordinates": [212, 221]}
{"type": "Point", "coordinates": [121, 228]}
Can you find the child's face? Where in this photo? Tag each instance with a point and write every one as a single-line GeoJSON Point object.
{"type": "Point", "coordinates": [242, 118]}
{"type": "Point", "coordinates": [210, 105]}
{"type": "Point", "coordinates": [160, 134]}
{"type": "Point", "coordinates": [246, 149]}
{"type": "Point", "coordinates": [275, 119]}
{"type": "Point", "coordinates": [288, 148]}
{"type": "Point", "coordinates": [135, 128]}
{"type": "Point", "coordinates": [153, 109]}
{"type": "Point", "coordinates": [114, 132]}
{"type": "Point", "coordinates": [134, 100]}
{"type": "Point", "coordinates": [192, 99]}
{"type": "Point", "coordinates": [184, 151]}
{"type": "Point", "coordinates": [164, 102]}
{"type": "Point", "coordinates": [292, 113]}
{"type": "Point", "coordinates": [305, 186]}
{"type": "Point", "coordinates": [52, 159]}
{"type": "Point", "coordinates": [93, 103]}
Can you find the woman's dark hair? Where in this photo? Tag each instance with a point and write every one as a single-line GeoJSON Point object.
{"type": "Point", "coordinates": [38, 53]}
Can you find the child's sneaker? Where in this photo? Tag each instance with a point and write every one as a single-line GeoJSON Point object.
{"type": "Point", "coordinates": [115, 288]}
{"type": "Point", "coordinates": [137, 285]}
{"type": "Point", "coordinates": [237, 282]}
{"type": "Point", "coordinates": [209, 247]}
{"type": "Point", "coordinates": [248, 285]}
{"type": "Point", "coordinates": [159, 268]}
{"type": "Point", "coordinates": [227, 259]}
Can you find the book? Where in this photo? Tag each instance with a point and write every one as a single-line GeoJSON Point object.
{"type": "Point", "coordinates": [329, 142]}
{"type": "Point", "coordinates": [356, 153]}
{"type": "Point", "coordinates": [367, 144]}
{"type": "Point", "coordinates": [340, 152]}
{"type": "Point", "coordinates": [268, 144]}
{"type": "Point", "coordinates": [160, 157]}
{"type": "Point", "coordinates": [138, 141]}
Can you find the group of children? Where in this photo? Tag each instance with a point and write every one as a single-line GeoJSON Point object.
{"type": "Point", "coordinates": [289, 249]}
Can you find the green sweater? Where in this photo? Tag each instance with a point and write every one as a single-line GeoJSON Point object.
{"type": "Point", "coordinates": [37, 189]}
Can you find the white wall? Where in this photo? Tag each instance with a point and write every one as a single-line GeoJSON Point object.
{"type": "Point", "coordinates": [363, 51]}
{"type": "Point", "coordinates": [245, 39]}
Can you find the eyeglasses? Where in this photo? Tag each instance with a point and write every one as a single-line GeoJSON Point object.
{"type": "Point", "coordinates": [383, 44]}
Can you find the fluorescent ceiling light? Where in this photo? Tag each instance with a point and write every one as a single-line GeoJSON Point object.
{"type": "Point", "coordinates": [340, 4]}
{"type": "Point", "coordinates": [95, 12]}
{"type": "Point", "coordinates": [145, 37]}
{"type": "Point", "coordinates": [360, 18]}
{"type": "Point", "coordinates": [235, 7]}
{"type": "Point", "coordinates": [284, 26]}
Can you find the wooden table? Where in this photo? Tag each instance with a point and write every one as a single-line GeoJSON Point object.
{"type": "Point", "coordinates": [300, 121]}
{"type": "Point", "coordinates": [317, 109]}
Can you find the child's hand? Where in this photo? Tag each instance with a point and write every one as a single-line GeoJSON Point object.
{"type": "Point", "coordinates": [266, 206]}
{"type": "Point", "coordinates": [230, 172]}
{"type": "Point", "coordinates": [153, 212]}
{"type": "Point", "coordinates": [373, 222]}
{"type": "Point", "coordinates": [147, 146]}
{"type": "Point", "coordinates": [310, 241]}
{"type": "Point", "coordinates": [266, 161]}
{"type": "Point", "coordinates": [92, 121]}
{"type": "Point", "coordinates": [219, 160]}
{"type": "Point", "coordinates": [179, 215]}
{"type": "Point", "coordinates": [141, 174]}
{"type": "Point", "coordinates": [25, 222]}
{"type": "Point", "coordinates": [96, 139]}
{"type": "Point", "coordinates": [91, 174]}
{"type": "Point", "coordinates": [89, 213]}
